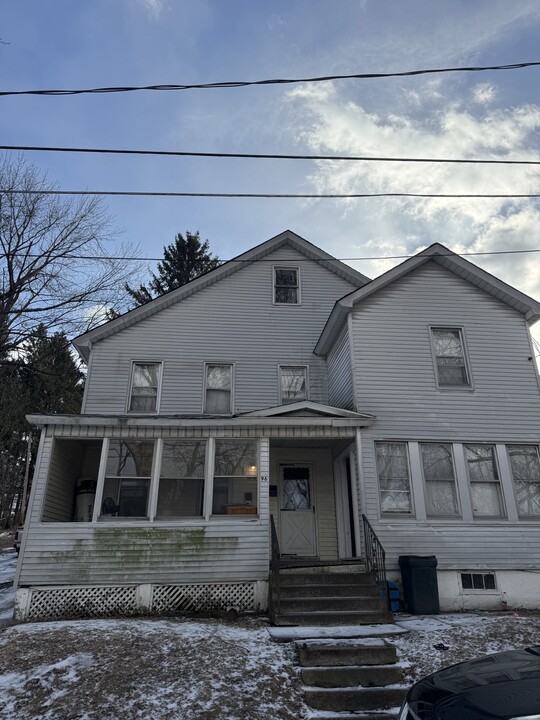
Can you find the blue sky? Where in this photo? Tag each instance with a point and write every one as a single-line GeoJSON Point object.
{"type": "Point", "coordinates": [64, 44]}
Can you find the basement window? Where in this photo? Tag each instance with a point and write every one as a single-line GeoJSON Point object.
{"type": "Point", "coordinates": [478, 581]}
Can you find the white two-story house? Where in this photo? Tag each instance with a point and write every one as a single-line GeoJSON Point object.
{"type": "Point", "coordinates": [286, 384]}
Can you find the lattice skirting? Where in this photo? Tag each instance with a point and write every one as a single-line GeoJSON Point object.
{"type": "Point", "coordinates": [40, 603]}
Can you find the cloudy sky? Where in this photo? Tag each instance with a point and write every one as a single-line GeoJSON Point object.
{"type": "Point", "coordinates": [66, 44]}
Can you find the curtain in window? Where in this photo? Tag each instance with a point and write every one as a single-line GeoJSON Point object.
{"type": "Point", "coordinates": [218, 389]}
{"type": "Point", "coordinates": [144, 388]}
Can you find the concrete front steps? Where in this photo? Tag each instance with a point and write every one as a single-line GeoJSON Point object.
{"type": "Point", "coordinates": [330, 596]}
{"type": "Point", "coordinates": [345, 677]}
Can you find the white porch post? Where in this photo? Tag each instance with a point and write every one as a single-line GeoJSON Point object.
{"type": "Point", "coordinates": [356, 477]}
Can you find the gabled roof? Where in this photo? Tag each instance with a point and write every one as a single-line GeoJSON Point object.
{"type": "Point", "coordinates": [84, 342]}
{"type": "Point", "coordinates": [306, 408]}
{"type": "Point", "coordinates": [447, 259]}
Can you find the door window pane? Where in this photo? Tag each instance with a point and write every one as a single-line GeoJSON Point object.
{"type": "Point", "coordinates": [181, 483]}
{"type": "Point", "coordinates": [393, 472]}
{"type": "Point", "coordinates": [295, 491]}
{"type": "Point", "coordinates": [438, 468]}
{"type": "Point", "coordinates": [525, 467]}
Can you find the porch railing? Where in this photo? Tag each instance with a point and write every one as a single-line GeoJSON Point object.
{"type": "Point", "coordinates": [375, 557]}
{"type": "Point", "coordinates": [273, 595]}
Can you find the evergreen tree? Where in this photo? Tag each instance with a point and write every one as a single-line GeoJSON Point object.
{"type": "Point", "coordinates": [183, 260]}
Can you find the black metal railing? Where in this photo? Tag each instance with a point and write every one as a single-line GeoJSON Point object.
{"type": "Point", "coordinates": [375, 557]}
{"type": "Point", "coordinates": [273, 595]}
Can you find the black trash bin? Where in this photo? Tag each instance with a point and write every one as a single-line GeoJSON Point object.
{"type": "Point", "coordinates": [420, 588]}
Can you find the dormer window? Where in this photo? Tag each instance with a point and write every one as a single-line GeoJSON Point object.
{"type": "Point", "coordinates": [286, 286]}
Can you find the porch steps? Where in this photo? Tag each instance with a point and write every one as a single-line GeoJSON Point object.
{"type": "Point", "coordinates": [328, 598]}
{"type": "Point", "coordinates": [345, 677]}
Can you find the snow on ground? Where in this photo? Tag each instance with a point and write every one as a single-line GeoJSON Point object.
{"type": "Point", "coordinates": [147, 668]}
{"type": "Point", "coordinates": [8, 563]}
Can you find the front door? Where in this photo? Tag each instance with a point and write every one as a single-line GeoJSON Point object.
{"type": "Point", "coordinates": [297, 511]}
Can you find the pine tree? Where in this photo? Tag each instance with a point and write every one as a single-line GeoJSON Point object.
{"type": "Point", "coordinates": [183, 260]}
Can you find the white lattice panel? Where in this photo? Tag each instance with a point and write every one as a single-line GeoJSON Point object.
{"type": "Point", "coordinates": [197, 598]}
{"type": "Point", "coordinates": [82, 602]}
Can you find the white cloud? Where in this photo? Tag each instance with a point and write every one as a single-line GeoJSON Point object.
{"type": "Point", "coordinates": [484, 93]}
{"type": "Point", "coordinates": [154, 7]}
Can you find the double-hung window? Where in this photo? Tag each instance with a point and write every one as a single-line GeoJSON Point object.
{"type": "Point", "coordinates": [394, 481]}
{"type": "Point", "coordinates": [286, 286]}
{"type": "Point", "coordinates": [144, 391]}
{"type": "Point", "coordinates": [439, 479]}
{"type": "Point", "coordinates": [450, 357]}
{"type": "Point", "coordinates": [181, 480]}
{"type": "Point", "coordinates": [525, 467]}
{"type": "Point", "coordinates": [484, 481]}
{"type": "Point", "coordinates": [235, 477]}
{"type": "Point", "coordinates": [293, 383]}
{"type": "Point", "coordinates": [218, 389]}
{"type": "Point", "coordinates": [127, 478]}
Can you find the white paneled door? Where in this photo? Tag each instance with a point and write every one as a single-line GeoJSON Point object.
{"type": "Point", "coordinates": [297, 512]}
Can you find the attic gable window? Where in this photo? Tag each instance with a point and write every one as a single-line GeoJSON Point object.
{"type": "Point", "coordinates": [450, 357]}
{"type": "Point", "coordinates": [218, 389]}
{"type": "Point", "coordinates": [286, 286]}
{"type": "Point", "coordinates": [144, 392]}
{"type": "Point", "coordinates": [293, 383]}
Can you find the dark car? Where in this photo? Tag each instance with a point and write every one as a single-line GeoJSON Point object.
{"type": "Point", "coordinates": [502, 686]}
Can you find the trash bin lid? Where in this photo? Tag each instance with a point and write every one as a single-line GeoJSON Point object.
{"type": "Point", "coordinates": [427, 561]}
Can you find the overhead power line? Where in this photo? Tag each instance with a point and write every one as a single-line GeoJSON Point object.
{"type": "Point", "coordinates": [268, 156]}
{"type": "Point", "coordinates": [305, 196]}
{"type": "Point", "coordinates": [276, 81]}
{"type": "Point", "coordinates": [300, 260]}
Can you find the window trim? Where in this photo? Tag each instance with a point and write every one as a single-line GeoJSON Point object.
{"type": "Point", "coordinates": [504, 511]}
{"type": "Point", "coordinates": [296, 268]}
{"type": "Point", "coordinates": [465, 387]}
{"type": "Point", "coordinates": [211, 363]}
{"type": "Point", "coordinates": [396, 514]}
{"type": "Point", "coordinates": [130, 387]}
{"type": "Point", "coordinates": [508, 446]}
{"type": "Point", "coordinates": [458, 514]}
{"type": "Point", "coordinates": [280, 387]}
{"type": "Point", "coordinates": [103, 477]}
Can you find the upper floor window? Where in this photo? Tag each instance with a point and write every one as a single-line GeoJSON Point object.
{"type": "Point", "coordinates": [484, 480]}
{"type": "Point", "coordinates": [144, 393]}
{"type": "Point", "coordinates": [525, 467]}
{"type": "Point", "coordinates": [293, 383]}
{"type": "Point", "coordinates": [218, 389]}
{"type": "Point", "coordinates": [450, 358]}
{"type": "Point", "coordinates": [439, 478]}
{"type": "Point", "coordinates": [286, 286]}
{"type": "Point", "coordinates": [393, 472]}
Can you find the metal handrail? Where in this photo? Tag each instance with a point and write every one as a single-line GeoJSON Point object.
{"type": "Point", "coordinates": [274, 599]}
{"type": "Point", "coordinates": [375, 557]}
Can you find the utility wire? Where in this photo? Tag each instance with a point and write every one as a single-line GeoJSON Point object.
{"type": "Point", "coordinates": [268, 156]}
{"type": "Point", "coordinates": [338, 196]}
{"type": "Point", "coordinates": [300, 260]}
{"type": "Point", "coordinates": [277, 81]}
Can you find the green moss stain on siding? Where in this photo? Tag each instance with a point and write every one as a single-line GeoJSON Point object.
{"type": "Point", "coordinates": [126, 554]}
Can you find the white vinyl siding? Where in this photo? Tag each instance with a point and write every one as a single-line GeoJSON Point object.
{"type": "Point", "coordinates": [232, 320]}
{"type": "Point", "coordinates": [340, 374]}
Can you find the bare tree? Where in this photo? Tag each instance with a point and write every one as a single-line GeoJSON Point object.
{"type": "Point", "coordinates": [53, 266]}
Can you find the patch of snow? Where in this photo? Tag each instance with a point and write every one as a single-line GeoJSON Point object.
{"type": "Point", "coordinates": [286, 634]}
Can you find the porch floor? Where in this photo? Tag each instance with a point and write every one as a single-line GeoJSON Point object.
{"type": "Point", "coordinates": [296, 561]}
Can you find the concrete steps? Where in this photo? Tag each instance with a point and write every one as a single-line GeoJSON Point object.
{"type": "Point", "coordinates": [351, 676]}
{"type": "Point", "coordinates": [328, 597]}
